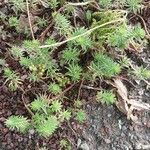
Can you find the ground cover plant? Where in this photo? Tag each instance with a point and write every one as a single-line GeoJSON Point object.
{"type": "Point", "coordinates": [60, 49]}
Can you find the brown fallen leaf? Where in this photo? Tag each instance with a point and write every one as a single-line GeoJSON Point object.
{"type": "Point", "coordinates": [124, 104]}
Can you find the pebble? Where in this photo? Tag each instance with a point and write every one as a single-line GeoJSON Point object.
{"type": "Point", "coordinates": [109, 115]}
{"type": "Point", "coordinates": [79, 142]}
{"type": "Point", "coordinates": [107, 141]}
{"type": "Point", "coordinates": [84, 146]}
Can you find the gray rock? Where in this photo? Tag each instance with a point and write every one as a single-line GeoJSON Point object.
{"type": "Point", "coordinates": [79, 142]}
{"type": "Point", "coordinates": [84, 146]}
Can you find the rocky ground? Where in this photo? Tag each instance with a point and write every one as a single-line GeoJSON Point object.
{"type": "Point", "coordinates": [106, 127]}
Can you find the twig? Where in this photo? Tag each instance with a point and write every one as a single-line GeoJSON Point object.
{"type": "Point", "coordinates": [79, 4]}
{"type": "Point", "coordinates": [45, 32]}
{"type": "Point", "coordinates": [49, 26]}
{"type": "Point", "coordinates": [72, 129]}
{"type": "Point", "coordinates": [62, 93]}
{"type": "Point", "coordinates": [90, 88]}
{"type": "Point", "coordinates": [79, 92]}
{"type": "Point", "coordinates": [23, 99]}
{"type": "Point", "coordinates": [29, 19]}
{"type": "Point", "coordinates": [83, 34]}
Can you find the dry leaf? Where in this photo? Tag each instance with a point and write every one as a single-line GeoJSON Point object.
{"type": "Point", "coordinates": [126, 105]}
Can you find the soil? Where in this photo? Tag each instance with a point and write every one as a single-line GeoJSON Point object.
{"type": "Point", "coordinates": [108, 128]}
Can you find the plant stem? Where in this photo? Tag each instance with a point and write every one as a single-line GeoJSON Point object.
{"type": "Point", "coordinates": [80, 4]}
{"type": "Point", "coordinates": [84, 34]}
{"type": "Point", "coordinates": [29, 19]}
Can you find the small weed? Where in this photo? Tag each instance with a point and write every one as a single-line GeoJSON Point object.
{"type": "Point", "coordinates": [12, 78]}
{"type": "Point", "coordinates": [54, 88]}
{"type": "Point", "coordinates": [14, 22]}
{"type": "Point", "coordinates": [103, 65]}
{"type": "Point", "coordinates": [77, 103]}
{"type": "Point", "coordinates": [133, 5]}
{"type": "Point", "coordinates": [80, 116]}
{"type": "Point", "coordinates": [62, 24]}
{"type": "Point", "coordinates": [74, 71]}
{"type": "Point", "coordinates": [18, 5]}
{"type": "Point", "coordinates": [106, 97]}
{"type": "Point", "coordinates": [65, 144]}
{"type": "Point", "coordinates": [142, 73]}
{"type": "Point", "coordinates": [105, 3]}
{"type": "Point", "coordinates": [70, 55]}
{"type": "Point", "coordinates": [18, 123]}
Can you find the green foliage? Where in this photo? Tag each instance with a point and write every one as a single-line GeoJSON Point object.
{"type": "Point", "coordinates": [84, 41]}
{"type": "Point", "coordinates": [53, 3]}
{"type": "Point", "coordinates": [62, 24]}
{"type": "Point", "coordinates": [74, 71]}
{"type": "Point", "coordinates": [138, 33]}
{"type": "Point", "coordinates": [80, 116]}
{"type": "Point", "coordinates": [41, 22]}
{"type": "Point", "coordinates": [14, 22]}
{"type": "Point", "coordinates": [17, 5]}
{"type": "Point", "coordinates": [125, 35]}
{"type": "Point", "coordinates": [70, 55]}
{"type": "Point", "coordinates": [59, 66]}
{"type": "Point", "coordinates": [133, 5]}
{"type": "Point", "coordinates": [12, 78]}
{"type": "Point", "coordinates": [31, 46]}
{"type": "Point", "coordinates": [120, 38]}
{"type": "Point", "coordinates": [106, 97]}
{"type": "Point", "coordinates": [65, 115]}
{"type": "Point", "coordinates": [102, 65]}
{"type": "Point", "coordinates": [48, 126]}
{"type": "Point", "coordinates": [18, 123]}
{"type": "Point", "coordinates": [64, 144]}
{"type": "Point", "coordinates": [100, 35]}
{"type": "Point", "coordinates": [17, 52]}
{"type": "Point", "coordinates": [40, 103]}
{"type": "Point", "coordinates": [77, 103]}
{"type": "Point", "coordinates": [56, 106]}
{"type": "Point", "coordinates": [36, 60]}
{"type": "Point", "coordinates": [142, 73]}
{"type": "Point", "coordinates": [47, 116]}
{"type": "Point", "coordinates": [105, 3]}
{"type": "Point", "coordinates": [54, 88]}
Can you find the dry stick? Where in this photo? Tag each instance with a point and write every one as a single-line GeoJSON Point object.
{"type": "Point", "coordinates": [79, 92]}
{"type": "Point", "coordinates": [45, 32]}
{"type": "Point", "coordinates": [63, 92]}
{"type": "Point", "coordinates": [83, 34]}
{"type": "Point", "coordinates": [29, 19]}
{"type": "Point", "coordinates": [90, 88]}
{"type": "Point", "coordinates": [72, 129]}
{"type": "Point", "coordinates": [49, 26]}
{"type": "Point", "coordinates": [23, 99]}
{"type": "Point", "coordinates": [80, 4]}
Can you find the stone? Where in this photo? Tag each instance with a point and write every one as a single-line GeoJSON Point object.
{"type": "Point", "coordinates": [84, 146]}
{"type": "Point", "coordinates": [79, 142]}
